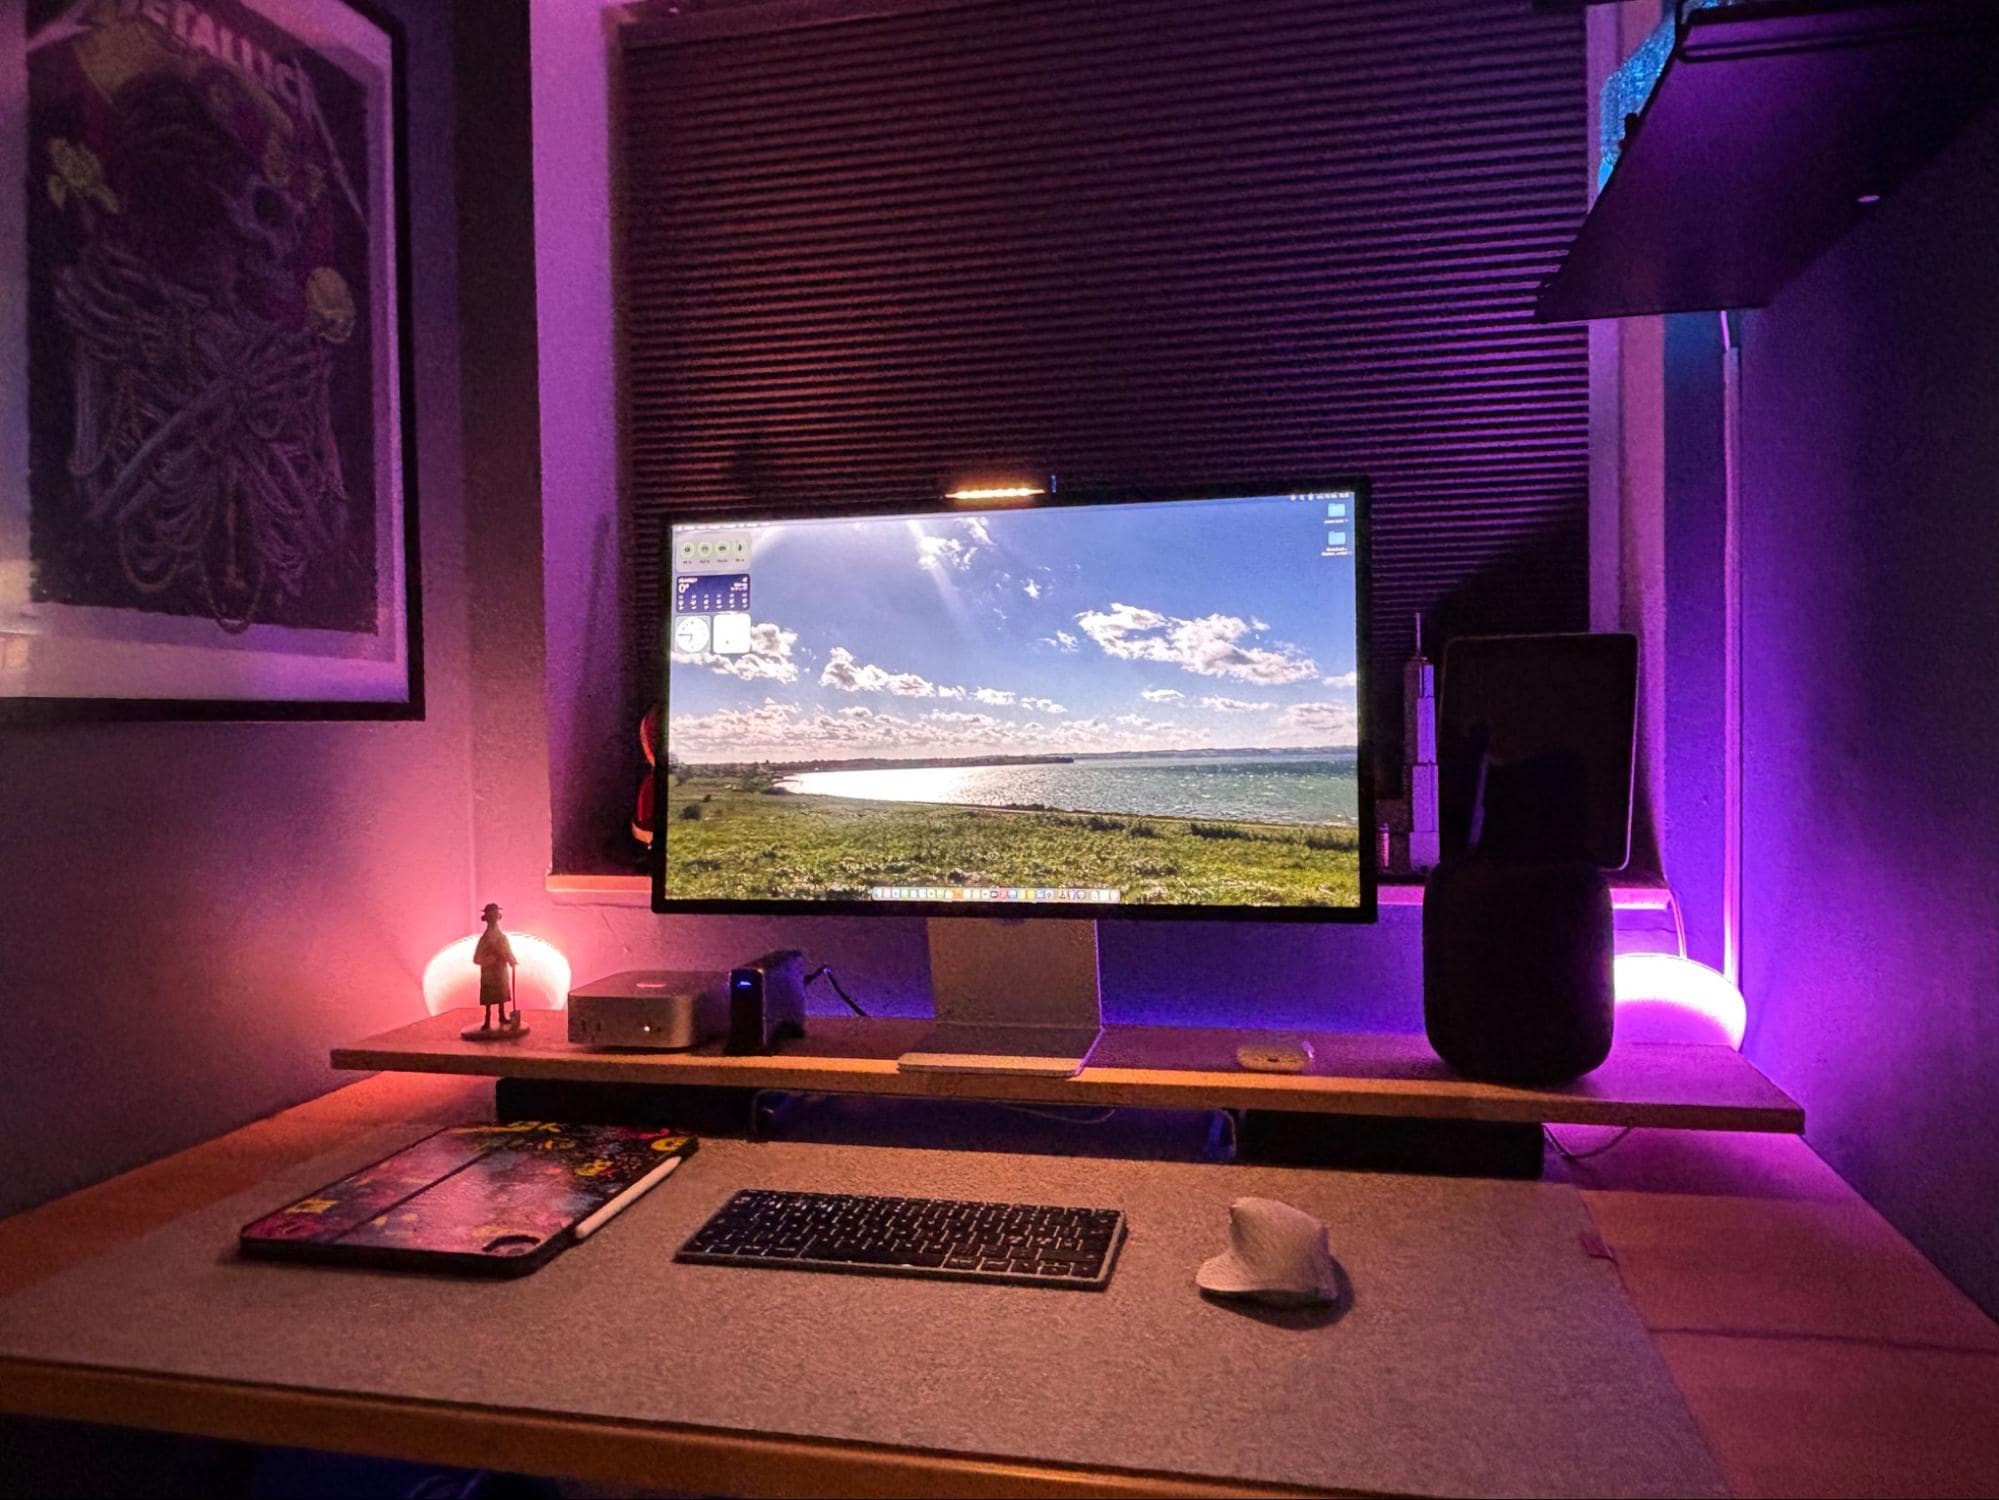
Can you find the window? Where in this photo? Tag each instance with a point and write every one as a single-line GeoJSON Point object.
{"type": "Point", "coordinates": [1125, 241]}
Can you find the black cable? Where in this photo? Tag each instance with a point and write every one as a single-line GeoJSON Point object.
{"type": "Point", "coordinates": [1567, 1155]}
{"type": "Point", "coordinates": [825, 972]}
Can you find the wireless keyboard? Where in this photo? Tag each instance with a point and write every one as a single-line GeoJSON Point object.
{"type": "Point", "coordinates": [1026, 1244]}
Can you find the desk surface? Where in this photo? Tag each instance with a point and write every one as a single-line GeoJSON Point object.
{"type": "Point", "coordinates": [1817, 1350]}
{"type": "Point", "coordinates": [1485, 1350]}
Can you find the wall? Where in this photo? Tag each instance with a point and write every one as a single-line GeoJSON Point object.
{"type": "Point", "coordinates": [1628, 438]}
{"type": "Point", "coordinates": [1870, 538]}
{"type": "Point", "coordinates": [1691, 786]}
{"type": "Point", "coordinates": [503, 479]}
{"type": "Point", "coordinates": [583, 556]}
{"type": "Point", "coordinates": [194, 913]}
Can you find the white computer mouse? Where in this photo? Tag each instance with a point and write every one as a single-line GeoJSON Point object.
{"type": "Point", "coordinates": [1277, 1254]}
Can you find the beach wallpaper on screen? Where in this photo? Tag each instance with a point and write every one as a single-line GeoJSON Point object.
{"type": "Point", "coordinates": [1122, 703]}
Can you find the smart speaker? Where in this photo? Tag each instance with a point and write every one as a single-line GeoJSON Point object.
{"type": "Point", "coordinates": [1517, 967]}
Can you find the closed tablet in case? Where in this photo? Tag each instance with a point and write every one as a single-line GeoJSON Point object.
{"type": "Point", "coordinates": [1549, 724]}
{"type": "Point", "coordinates": [497, 1200]}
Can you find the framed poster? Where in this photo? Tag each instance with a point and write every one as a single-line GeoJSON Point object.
{"type": "Point", "coordinates": [207, 505]}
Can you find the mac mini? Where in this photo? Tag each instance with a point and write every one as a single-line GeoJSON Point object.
{"type": "Point", "coordinates": [655, 1010]}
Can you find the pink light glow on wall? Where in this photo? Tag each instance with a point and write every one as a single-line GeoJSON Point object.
{"type": "Point", "coordinates": [451, 979]}
{"type": "Point", "coordinates": [1662, 997]}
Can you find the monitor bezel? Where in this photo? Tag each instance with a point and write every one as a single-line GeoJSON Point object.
{"type": "Point", "coordinates": [1364, 911]}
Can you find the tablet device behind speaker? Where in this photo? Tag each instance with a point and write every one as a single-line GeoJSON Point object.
{"type": "Point", "coordinates": [1549, 724]}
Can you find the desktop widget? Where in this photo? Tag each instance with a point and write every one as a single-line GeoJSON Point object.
{"type": "Point", "coordinates": [705, 549]}
{"type": "Point", "coordinates": [711, 595]}
{"type": "Point", "coordinates": [723, 634]}
{"type": "Point", "coordinates": [707, 594]}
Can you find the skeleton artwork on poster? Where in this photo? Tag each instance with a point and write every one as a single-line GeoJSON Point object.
{"type": "Point", "coordinates": [202, 439]}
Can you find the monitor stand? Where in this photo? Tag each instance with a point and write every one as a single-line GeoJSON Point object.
{"type": "Point", "coordinates": [1012, 996]}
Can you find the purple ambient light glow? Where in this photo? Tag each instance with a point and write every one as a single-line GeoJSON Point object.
{"type": "Point", "coordinates": [451, 979]}
{"type": "Point", "coordinates": [1662, 997]}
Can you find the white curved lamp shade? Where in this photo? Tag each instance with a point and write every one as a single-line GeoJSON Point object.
{"type": "Point", "coordinates": [451, 979]}
{"type": "Point", "coordinates": [1662, 997]}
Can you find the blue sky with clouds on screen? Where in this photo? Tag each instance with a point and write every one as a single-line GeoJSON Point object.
{"type": "Point", "coordinates": [1062, 630]}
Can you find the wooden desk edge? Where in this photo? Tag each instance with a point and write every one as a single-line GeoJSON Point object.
{"type": "Point", "coordinates": [1128, 1088]}
{"type": "Point", "coordinates": [601, 1450]}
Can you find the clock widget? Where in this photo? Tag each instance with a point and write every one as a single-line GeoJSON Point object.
{"type": "Point", "coordinates": [690, 634]}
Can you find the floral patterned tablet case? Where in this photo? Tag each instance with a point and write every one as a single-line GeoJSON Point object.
{"type": "Point", "coordinates": [495, 1200]}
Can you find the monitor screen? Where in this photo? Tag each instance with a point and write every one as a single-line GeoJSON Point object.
{"type": "Point", "coordinates": [1142, 707]}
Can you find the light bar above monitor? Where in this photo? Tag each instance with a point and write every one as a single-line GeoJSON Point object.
{"type": "Point", "coordinates": [1141, 705]}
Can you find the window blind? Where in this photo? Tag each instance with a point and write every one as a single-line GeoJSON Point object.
{"type": "Point", "coordinates": [866, 249]}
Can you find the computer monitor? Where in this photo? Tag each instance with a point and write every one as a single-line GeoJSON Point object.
{"type": "Point", "coordinates": [1076, 706]}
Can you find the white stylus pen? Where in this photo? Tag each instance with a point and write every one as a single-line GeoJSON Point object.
{"type": "Point", "coordinates": [625, 1200]}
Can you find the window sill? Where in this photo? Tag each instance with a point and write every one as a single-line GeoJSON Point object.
{"type": "Point", "coordinates": [599, 890]}
{"type": "Point", "coordinates": [1628, 892]}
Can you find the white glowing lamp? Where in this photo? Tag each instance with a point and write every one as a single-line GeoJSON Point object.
{"type": "Point", "coordinates": [1662, 997]}
{"type": "Point", "coordinates": [541, 977]}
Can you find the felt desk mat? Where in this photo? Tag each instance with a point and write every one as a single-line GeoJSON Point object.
{"type": "Point", "coordinates": [1482, 1350]}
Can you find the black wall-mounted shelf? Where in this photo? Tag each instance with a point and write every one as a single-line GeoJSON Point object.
{"type": "Point", "coordinates": [1770, 127]}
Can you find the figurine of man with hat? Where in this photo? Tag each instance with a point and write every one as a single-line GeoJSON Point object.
{"type": "Point", "coordinates": [495, 957]}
